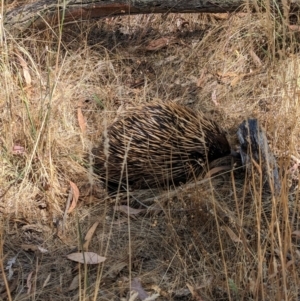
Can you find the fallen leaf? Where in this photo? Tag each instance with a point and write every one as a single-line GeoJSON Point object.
{"type": "Point", "coordinates": [29, 247]}
{"type": "Point", "coordinates": [221, 16]}
{"type": "Point", "coordinates": [120, 221]}
{"type": "Point", "coordinates": [89, 236]}
{"type": "Point", "coordinates": [152, 297]}
{"type": "Point", "coordinates": [232, 235]}
{"type": "Point", "coordinates": [214, 97]}
{"type": "Point", "coordinates": [191, 288]}
{"type": "Point", "coordinates": [33, 248]}
{"type": "Point", "coordinates": [242, 15]}
{"type": "Point", "coordinates": [181, 22]}
{"type": "Point", "coordinates": [296, 233]}
{"type": "Point", "coordinates": [86, 257]}
{"type": "Point", "coordinates": [236, 80]}
{"type": "Point", "coordinates": [42, 250]}
{"type": "Point", "coordinates": [29, 283]}
{"type": "Point", "coordinates": [252, 286]}
{"type": "Point", "coordinates": [194, 293]}
{"type": "Point", "coordinates": [227, 74]}
{"type": "Point", "coordinates": [32, 227]}
{"type": "Point", "coordinates": [243, 76]}
{"type": "Point", "coordinates": [226, 77]}
{"type": "Point", "coordinates": [137, 286]}
{"type": "Point", "coordinates": [133, 296]}
{"type": "Point", "coordinates": [207, 281]}
{"type": "Point", "coordinates": [255, 58]}
{"type": "Point", "coordinates": [289, 263]}
{"type": "Point", "coordinates": [81, 120]}
{"type": "Point", "coordinates": [25, 68]}
{"type": "Point", "coordinates": [273, 270]}
{"type": "Point", "coordinates": [159, 43]}
{"type": "Point", "coordinates": [9, 265]}
{"type": "Point", "coordinates": [74, 284]}
{"type": "Point", "coordinates": [115, 269]}
{"type": "Point", "coordinates": [202, 78]}
{"type": "Point", "coordinates": [46, 281]}
{"type": "Point", "coordinates": [18, 150]}
{"type": "Point", "coordinates": [128, 210]}
{"type": "Point", "coordinates": [75, 192]}
{"type": "Point", "coordinates": [294, 27]}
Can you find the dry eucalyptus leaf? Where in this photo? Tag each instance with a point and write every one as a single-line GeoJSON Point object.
{"type": "Point", "coordinates": [18, 150]}
{"type": "Point", "coordinates": [255, 58]}
{"type": "Point", "coordinates": [29, 247]}
{"type": "Point", "coordinates": [152, 297]}
{"type": "Point", "coordinates": [42, 250]}
{"type": "Point", "coordinates": [128, 210]}
{"type": "Point", "coordinates": [202, 79]}
{"type": "Point", "coordinates": [252, 285]}
{"type": "Point", "coordinates": [289, 263]}
{"type": "Point", "coordinates": [227, 74]}
{"type": "Point", "coordinates": [86, 257]}
{"type": "Point", "coordinates": [34, 248]}
{"type": "Point", "coordinates": [296, 233]}
{"type": "Point", "coordinates": [29, 282]}
{"type": "Point", "coordinates": [221, 16]}
{"type": "Point", "coordinates": [232, 235]}
{"type": "Point", "coordinates": [89, 235]}
{"type": "Point", "coordinates": [24, 65]}
{"type": "Point", "coordinates": [294, 27]}
{"type": "Point", "coordinates": [33, 227]}
{"type": "Point", "coordinates": [273, 269]}
{"type": "Point", "coordinates": [137, 286]}
{"type": "Point", "coordinates": [75, 192]}
{"type": "Point", "coordinates": [74, 284]}
{"type": "Point", "coordinates": [214, 97]}
{"type": "Point", "coordinates": [9, 265]}
{"type": "Point", "coordinates": [158, 44]}
{"type": "Point", "coordinates": [47, 280]}
{"type": "Point", "coordinates": [133, 296]}
{"type": "Point", "coordinates": [81, 120]}
{"type": "Point", "coordinates": [194, 293]}
{"type": "Point", "coordinates": [236, 80]}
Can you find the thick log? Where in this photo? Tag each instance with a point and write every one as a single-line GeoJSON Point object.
{"type": "Point", "coordinates": [53, 12]}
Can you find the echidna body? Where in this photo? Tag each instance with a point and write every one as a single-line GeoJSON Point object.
{"type": "Point", "coordinates": [158, 145]}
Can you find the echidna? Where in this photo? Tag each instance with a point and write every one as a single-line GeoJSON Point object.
{"type": "Point", "coordinates": [158, 145]}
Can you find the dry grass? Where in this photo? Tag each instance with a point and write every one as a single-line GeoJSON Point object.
{"type": "Point", "coordinates": [223, 239]}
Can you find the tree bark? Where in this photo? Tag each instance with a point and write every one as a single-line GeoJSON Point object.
{"type": "Point", "coordinates": [43, 12]}
{"type": "Point", "coordinates": [254, 147]}
{"type": "Point", "coordinates": [52, 12]}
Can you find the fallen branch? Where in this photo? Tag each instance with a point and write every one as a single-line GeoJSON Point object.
{"type": "Point", "coordinates": [54, 12]}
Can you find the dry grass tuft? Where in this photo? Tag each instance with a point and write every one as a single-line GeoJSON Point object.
{"type": "Point", "coordinates": [221, 239]}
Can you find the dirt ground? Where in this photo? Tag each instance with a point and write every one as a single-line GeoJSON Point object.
{"type": "Point", "coordinates": [221, 238]}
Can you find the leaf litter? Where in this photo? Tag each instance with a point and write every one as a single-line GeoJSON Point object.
{"type": "Point", "coordinates": [178, 243]}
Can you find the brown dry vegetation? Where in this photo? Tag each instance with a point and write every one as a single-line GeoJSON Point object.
{"type": "Point", "coordinates": [222, 239]}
